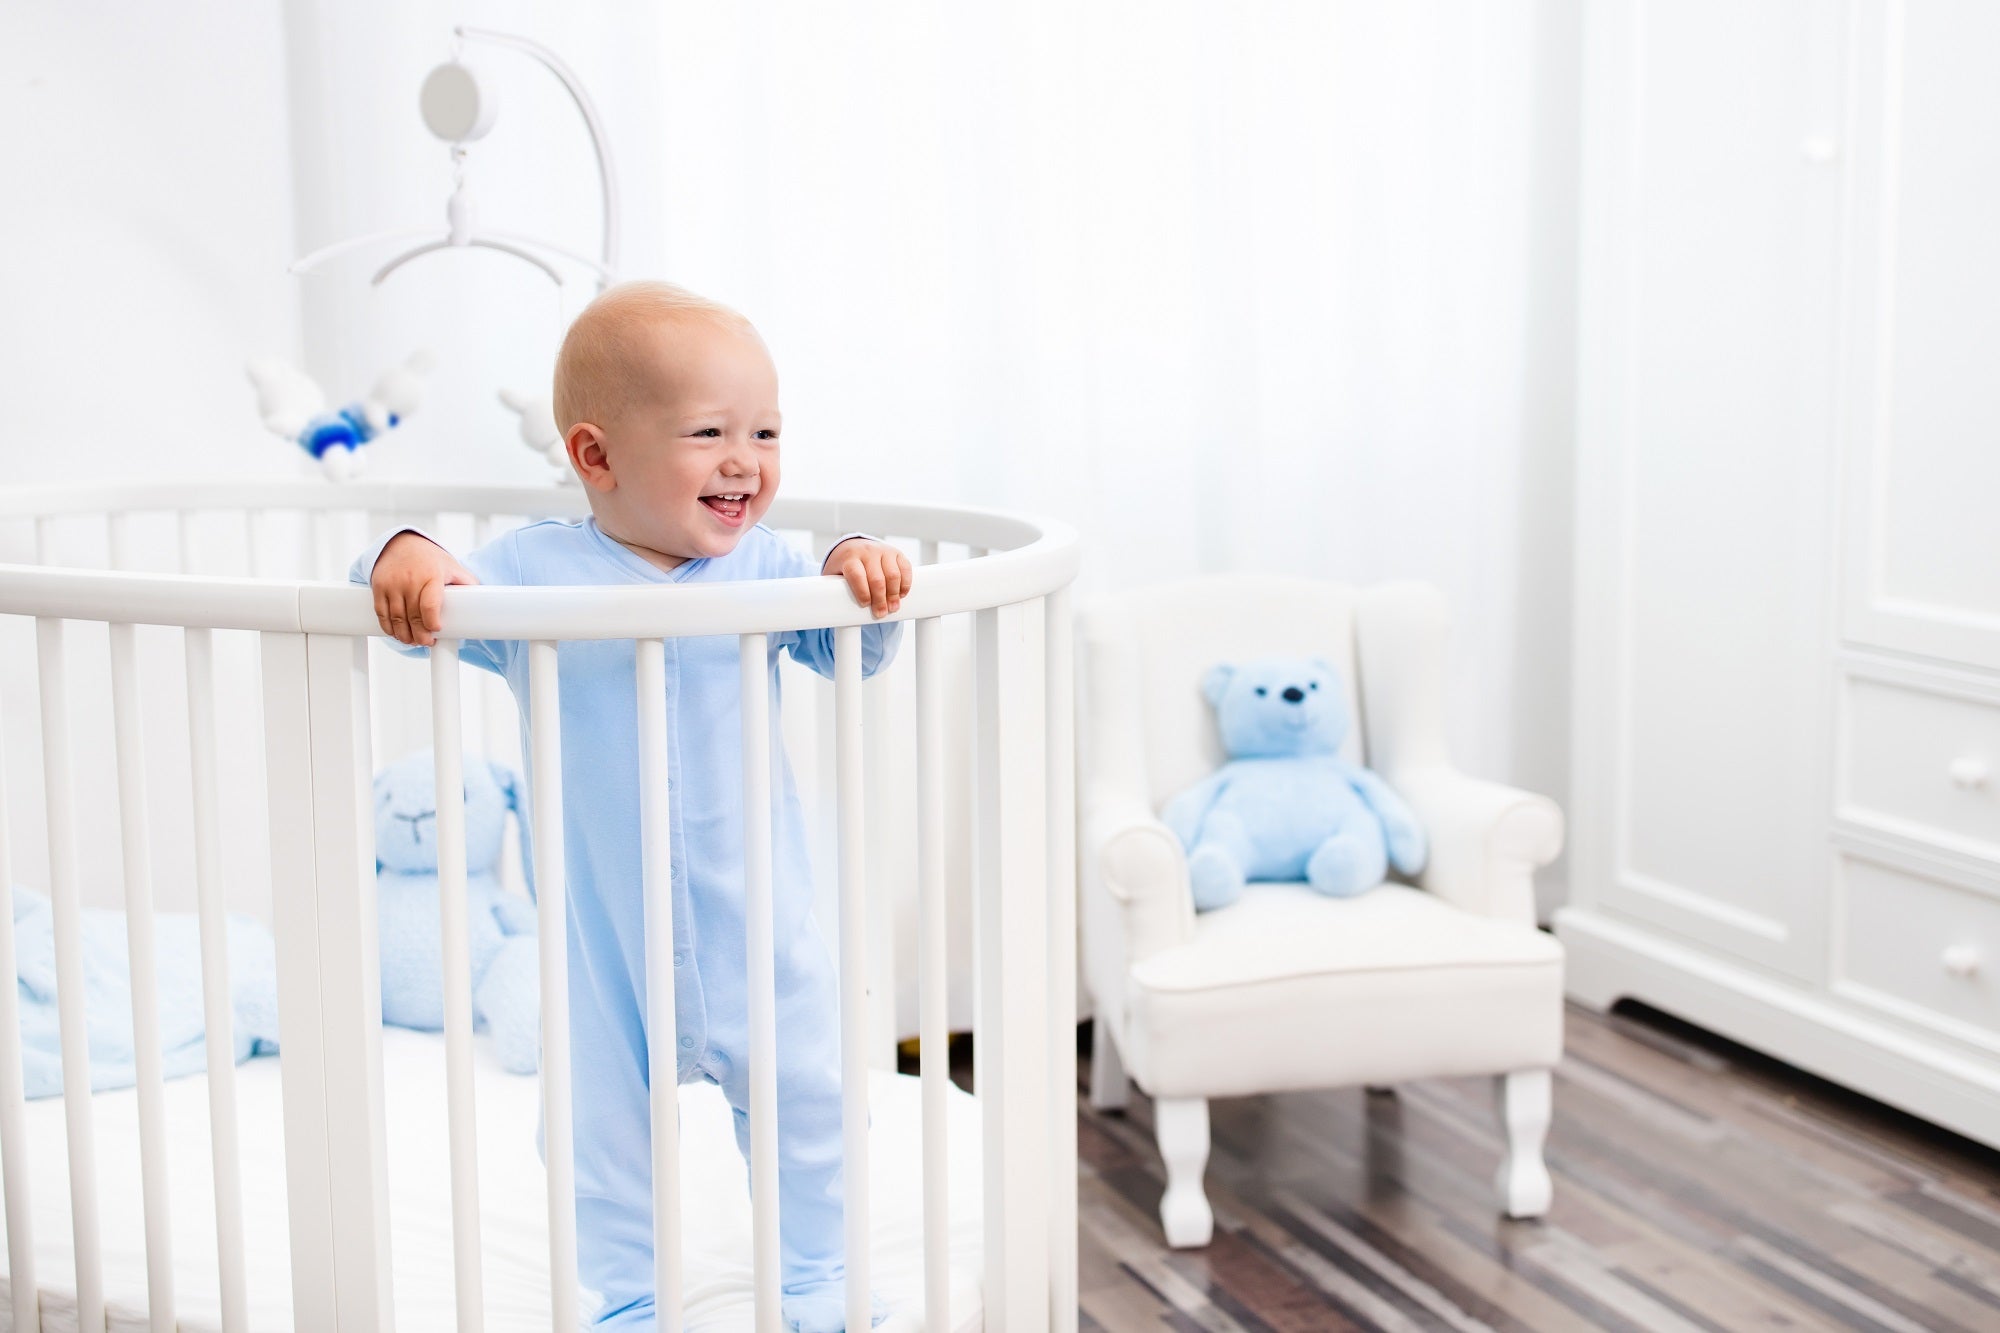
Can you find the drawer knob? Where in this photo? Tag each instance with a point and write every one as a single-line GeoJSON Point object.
{"type": "Point", "coordinates": [1961, 960]}
{"type": "Point", "coordinates": [1969, 772]}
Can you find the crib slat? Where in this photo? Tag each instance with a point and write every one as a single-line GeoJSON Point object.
{"type": "Point", "coordinates": [847, 705]}
{"type": "Point", "coordinates": [761, 973]}
{"type": "Point", "coordinates": [1012, 940]}
{"type": "Point", "coordinates": [318, 522]}
{"type": "Point", "coordinates": [656, 858]}
{"type": "Point", "coordinates": [144, 964]}
{"type": "Point", "coordinates": [183, 542]}
{"type": "Point", "coordinates": [253, 543]}
{"type": "Point", "coordinates": [887, 831]}
{"type": "Point", "coordinates": [559, 1147]}
{"type": "Point", "coordinates": [934, 1041]}
{"type": "Point", "coordinates": [69, 972]}
{"type": "Point", "coordinates": [217, 1009]}
{"type": "Point", "coordinates": [118, 539]}
{"type": "Point", "coordinates": [449, 773]}
{"type": "Point", "coordinates": [13, 1111]}
{"type": "Point", "coordinates": [1060, 700]}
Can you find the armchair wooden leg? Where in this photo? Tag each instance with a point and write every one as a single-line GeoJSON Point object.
{"type": "Point", "coordinates": [1524, 1101]}
{"type": "Point", "coordinates": [1108, 1083]}
{"type": "Point", "coordinates": [1181, 1126]}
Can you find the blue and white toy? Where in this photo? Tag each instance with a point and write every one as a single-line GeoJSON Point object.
{"type": "Point", "coordinates": [1286, 806]}
{"type": "Point", "coordinates": [539, 430]}
{"type": "Point", "coordinates": [293, 406]}
{"type": "Point", "coordinates": [505, 970]}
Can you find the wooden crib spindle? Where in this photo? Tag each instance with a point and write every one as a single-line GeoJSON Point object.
{"type": "Point", "coordinates": [656, 858]}
{"type": "Point", "coordinates": [559, 1146]}
{"type": "Point", "coordinates": [1060, 701]}
{"type": "Point", "coordinates": [118, 540]}
{"type": "Point", "coordinates": [761, 974]}
{"type": "Point", "coordinates": [847, 706]}
{"type": "Point", "coordinates": [183, 543]}
{"type": "Point", "coordinates": [1012, 944]}
{"type": "Point", "coordinates": [75, 1039]}
{"type": "Point", "coordinates": [216, 1005]}
{"type": "Point", "coordinates": [13, 1108]}
{"type": "Point", "coordinates": [449, 774]}
{"type": "Point", "coordinates": [144, 969]}
{"type": "Point", "coordinates": [934, 1041]}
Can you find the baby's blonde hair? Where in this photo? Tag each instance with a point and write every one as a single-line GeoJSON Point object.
{"type": "Point", "coordinates": [597, 374]}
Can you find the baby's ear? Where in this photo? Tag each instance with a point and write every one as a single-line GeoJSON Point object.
{"type": "Point", "coordinates": [1216, 683]}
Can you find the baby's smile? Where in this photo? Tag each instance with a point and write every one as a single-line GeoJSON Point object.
{"type": "Point", "coordinates": [729, 506]}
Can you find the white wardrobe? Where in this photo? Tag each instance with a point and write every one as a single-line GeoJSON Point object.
{"type": "Point", "coordinates": [1786, 802]}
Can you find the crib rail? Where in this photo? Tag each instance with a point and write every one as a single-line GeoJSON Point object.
{"type": "Point", "coordinates": [317, 723]}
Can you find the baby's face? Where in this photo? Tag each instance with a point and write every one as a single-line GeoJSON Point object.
{"type": "Point", "coordinates": [693, 463]}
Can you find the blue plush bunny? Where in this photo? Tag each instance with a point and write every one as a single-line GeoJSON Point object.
{"type": "Point", "coordinates": [505, 969]}
{"type": "Point", "coordinates": [1286, 806]}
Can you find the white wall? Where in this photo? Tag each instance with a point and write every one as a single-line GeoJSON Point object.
{"type": "Point", "coordinates": [1285, 286]}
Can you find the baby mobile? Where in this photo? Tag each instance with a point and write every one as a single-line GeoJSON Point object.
{"type": "Point", "coordinates": [459, 109]}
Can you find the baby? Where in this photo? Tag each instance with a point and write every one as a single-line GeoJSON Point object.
{"type": "Point", "coordinates": [669, 408]}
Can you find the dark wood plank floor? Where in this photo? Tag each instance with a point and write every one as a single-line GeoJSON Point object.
{"type": "Point", "coordinates": [1698, 1187]}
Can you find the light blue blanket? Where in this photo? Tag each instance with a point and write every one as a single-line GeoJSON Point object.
{"type": "Point", "coordinates": [107, 986]}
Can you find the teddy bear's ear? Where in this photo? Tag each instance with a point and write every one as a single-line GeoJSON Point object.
{"type": "Point", "coordinates": [508, 783]}
{"type": "Point", "coordinates": [1215, 684]}
{"type": "Point", "coordinates": [510, 786]}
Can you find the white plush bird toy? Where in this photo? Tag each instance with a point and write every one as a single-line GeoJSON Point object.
{"type": "Point", "coordinates": [293, 406]}
{"type": "Point", "coordinates": [539, 430]}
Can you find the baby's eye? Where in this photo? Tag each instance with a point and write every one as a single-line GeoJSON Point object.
{"type": "Point", "coordinates": [767, 435]}
{"type": "Point", "coordinates": [1261, 691]}
{"type": "Point", "coordinates": [709, 433]}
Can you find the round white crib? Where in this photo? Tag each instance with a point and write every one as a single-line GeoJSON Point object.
{"type": "Point", "coordinates": [231, 690]}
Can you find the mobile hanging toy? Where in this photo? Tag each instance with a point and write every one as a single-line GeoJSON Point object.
{"type": "Point", "coordinates": [293, 406]}
{"type": "Point", "coordinates": [459, 108]}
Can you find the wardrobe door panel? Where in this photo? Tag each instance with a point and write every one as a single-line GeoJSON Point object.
{"type": "Point", "coordinates": [1923, 409]}
{"type": "Point", "coordinates": [1710, 475]}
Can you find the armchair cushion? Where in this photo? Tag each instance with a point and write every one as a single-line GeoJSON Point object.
{"type": "Point", "coordinates": [1289, 989]}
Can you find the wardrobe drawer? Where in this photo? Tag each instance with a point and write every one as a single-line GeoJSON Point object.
{"type": "Point", "coordinates": [1919, 948]}
{"type": "Point", "coordinates": [1922, 762]}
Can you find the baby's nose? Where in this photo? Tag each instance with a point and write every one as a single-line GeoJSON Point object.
{"type": "Point", "coordinates": [1293, 694]}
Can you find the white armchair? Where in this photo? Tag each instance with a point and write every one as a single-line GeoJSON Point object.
{"type": "Point", "coordinates": [1287, 989]}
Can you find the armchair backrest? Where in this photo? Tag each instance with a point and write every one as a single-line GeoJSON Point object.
{"type": "Point", "coordinates": [1145, 727]}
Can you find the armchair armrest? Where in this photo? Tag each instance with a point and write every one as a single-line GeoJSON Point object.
{"type": "Point", "coordinates": [1486, 840]}
{"type": "Point", "coordinates": [1136, 861]}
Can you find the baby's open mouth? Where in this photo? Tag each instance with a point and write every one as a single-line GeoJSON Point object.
{"type": "Point", "coordinates": [730, 507]}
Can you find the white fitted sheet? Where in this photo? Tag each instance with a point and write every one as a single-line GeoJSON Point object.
{"type": "Point", "coordinates": [715, 1205]}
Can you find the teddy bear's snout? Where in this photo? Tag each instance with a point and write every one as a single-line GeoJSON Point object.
{"type": "Point", "coordinates": [1293, 694]}
{"type": "Point", "coordinates": [416, 823]}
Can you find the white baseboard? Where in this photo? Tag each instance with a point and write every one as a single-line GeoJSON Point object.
{"type": "Point", "coordinates": [1610, 960]}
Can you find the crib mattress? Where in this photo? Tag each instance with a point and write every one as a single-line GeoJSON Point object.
{"type": "Point", "coordinates": [715, 1203]}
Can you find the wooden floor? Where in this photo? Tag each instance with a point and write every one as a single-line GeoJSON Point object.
{"type": "Point", "coordinates": [1698, 1186]}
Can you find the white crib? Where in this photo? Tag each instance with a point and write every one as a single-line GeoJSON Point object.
{"type": "Point", "coordinates": [182, 579]}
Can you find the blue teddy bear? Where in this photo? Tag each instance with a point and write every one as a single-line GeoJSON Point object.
{"type": "Point", "coordinates": [1286, 806]}
{"type": "Point", "coordinates": [505, 966]}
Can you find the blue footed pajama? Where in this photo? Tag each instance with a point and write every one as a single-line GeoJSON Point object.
{"type": "Point", "coordinates": [607, 976]}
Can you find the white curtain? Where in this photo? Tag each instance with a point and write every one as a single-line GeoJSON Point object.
{"type": "Point", "coordinates": [1281, 285]}
{"type": "Point", "coordinates": [1229, 286]}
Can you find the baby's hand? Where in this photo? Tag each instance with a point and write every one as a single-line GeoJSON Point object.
{"type": "Point", "coordinates": [878, 573]}
{"type": "Point", "coordinates": [408, 581]}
